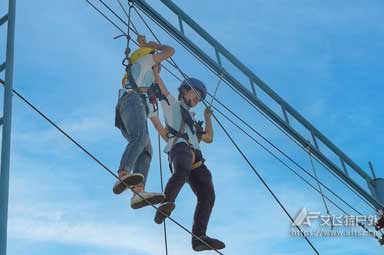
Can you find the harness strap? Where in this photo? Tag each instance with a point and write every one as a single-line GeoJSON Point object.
{"type": "Point", "coordinates": [199, 129]}
{"type": "Point", "coordinates": [181, 133]}
{"type": "Point", "coordinates": [197, 164]}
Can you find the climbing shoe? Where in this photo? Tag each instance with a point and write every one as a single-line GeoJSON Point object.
{"type": "Point", "coordinates": [164, 211]}
{"type": "Point", "coordinates": [127, 181]}
{"type": "Point", "coordinates": [142, 199]}
{"type": "Point", "coordinates": [213, 244]}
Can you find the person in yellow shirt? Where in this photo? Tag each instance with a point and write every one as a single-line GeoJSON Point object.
{"type": "Point", "coordinates": [132, 110]}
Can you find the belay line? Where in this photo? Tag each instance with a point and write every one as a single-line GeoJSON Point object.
{"type": "Point", "coordinates": [318, 183]}
{"type": "Point", "coordinates": [162, 189]}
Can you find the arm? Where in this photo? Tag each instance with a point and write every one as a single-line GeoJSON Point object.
{"type": "Point", "coordinates": [159, 127]}
{"type": "Point", "coordinates": [165, 50]}
{"type": "Point", "coordinates": [208, 136]}
{"type": "Point", "coordinates": [165, 53]}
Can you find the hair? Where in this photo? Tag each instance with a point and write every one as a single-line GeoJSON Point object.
{"type": "Point", "coordinates": [182, 90]}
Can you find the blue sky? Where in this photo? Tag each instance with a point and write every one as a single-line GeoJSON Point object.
{"type": "Point", "coordinates": [323, 57]}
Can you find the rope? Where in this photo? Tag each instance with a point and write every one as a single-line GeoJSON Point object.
{"type": "Point", "coordinates": [217, 88]}
{"type": "Point", "coordinates": [162, 189]}
{"type": "Point", "coordinates": [110, 21]}
{"type": "Point", "coordinates": [264, 183]}
{"type": "Point", "coordinates": [291, 169]}
{"type": "Point", "coordinates": [318, 183]}
{"type": "Point", "coordinates": [275, 147]}
{"type": "Point", "coordinates": [128, 16]}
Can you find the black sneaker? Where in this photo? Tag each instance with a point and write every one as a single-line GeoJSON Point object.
{"type": "Point", "coordinates": [214, 244]}
{"type": "Point", "coordinates": [166, 209]}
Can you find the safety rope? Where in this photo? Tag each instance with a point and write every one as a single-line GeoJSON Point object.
{"type": "Point", "coordinates": [162, 189]}
{"type": "Point", "coordinates": [217, 88]}
{"type": "Point", "coordinates": [128, 16]}
{"type": "Point", "coordinates": [318, 183]}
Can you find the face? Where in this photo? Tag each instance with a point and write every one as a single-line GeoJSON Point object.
{"type": "Point", "coordinates": [191, 98]}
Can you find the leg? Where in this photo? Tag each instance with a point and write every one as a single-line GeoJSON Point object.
{"type": "Point", "coordinates": [181, 159]}
{"type": "Point", "coordinates": [133, 125]}
{"type": "Point", "coordinates": [141, 198]}
{"type": "Point", "coordinates": [144, 161]}
{"type": "Point", "coordinates": [133, 116]}
{"type": "Point", "coordinates": [201, 183]}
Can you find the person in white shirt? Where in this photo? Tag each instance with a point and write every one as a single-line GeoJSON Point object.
{"type": "Point", "coordinates": [132, 110]}
{"type": "Point", "coordinates": [183, 135]}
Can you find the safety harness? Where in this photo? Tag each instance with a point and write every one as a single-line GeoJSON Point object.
{"type": "Point", "coordinates": [195, 126]}
{"type": "Point", "coordinates": [177, 134]}
{"type": "Point", "coordinates": [155, 95]}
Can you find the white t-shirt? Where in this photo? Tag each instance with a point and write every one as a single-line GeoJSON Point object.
{"type": "Point", "coordinates": [173, 118]}
{"type": "Point", "coordinates": [142, 73]}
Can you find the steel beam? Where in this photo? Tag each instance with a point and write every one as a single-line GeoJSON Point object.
{"type": "Point", "coordinates": [216, 67]}
{"type": "Point", "coordinates": [6, 138]}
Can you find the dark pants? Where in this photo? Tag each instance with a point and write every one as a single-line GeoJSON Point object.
{"type": "Point", "coordinates": [200, 180]}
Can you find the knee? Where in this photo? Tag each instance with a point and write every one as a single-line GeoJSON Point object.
{"type": "Point", "coordinates": [207, 196]}
{"type": "Point", "coordinates": [148, 149]}
{"type": "Point", "coordinates": [181, 174]}
{"type": "Point", "coordinates": [140, 138]}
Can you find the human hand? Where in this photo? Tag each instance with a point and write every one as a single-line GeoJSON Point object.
{"type": "Point", "coordinates": [208, 112]}
{"type": "Point", "coordinates": [141, 40]}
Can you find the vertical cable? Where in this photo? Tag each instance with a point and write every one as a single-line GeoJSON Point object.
{"type": "Point", "coordinates": [162, 190]}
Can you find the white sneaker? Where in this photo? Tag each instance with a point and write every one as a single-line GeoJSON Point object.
{"type": "Point", "coordinates": [127, 181]}
{"type": "Point", "coordinates": [146, 198]}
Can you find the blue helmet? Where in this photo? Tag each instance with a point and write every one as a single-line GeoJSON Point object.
{"type": "Point", "coordinates": [196, 84]}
